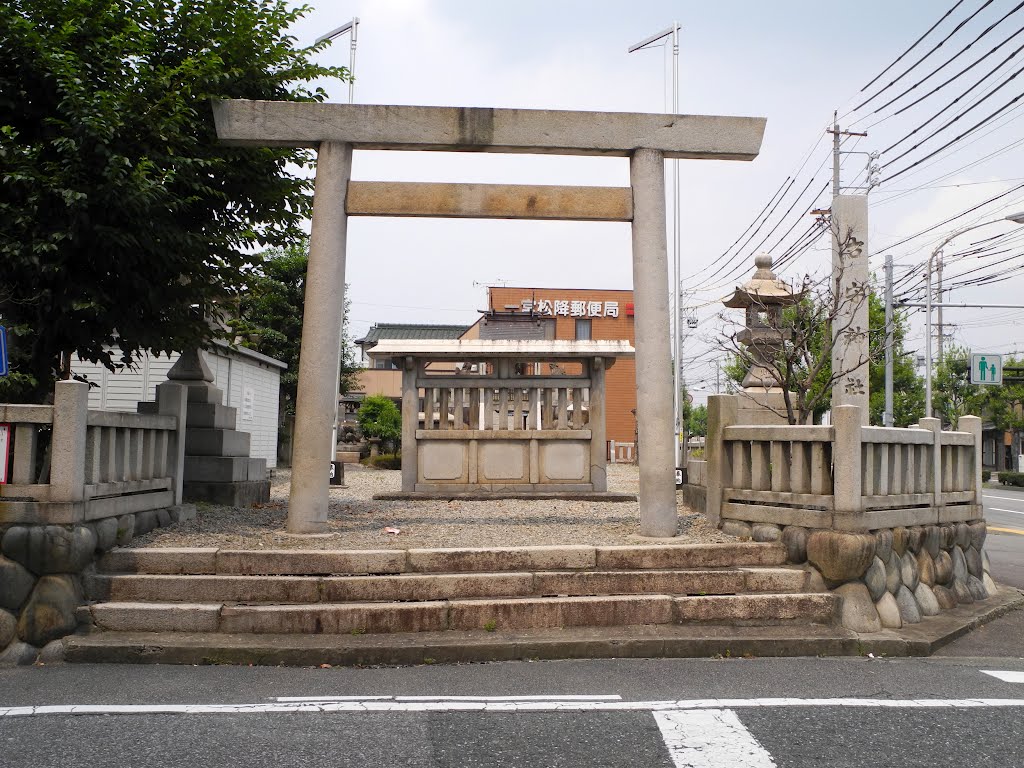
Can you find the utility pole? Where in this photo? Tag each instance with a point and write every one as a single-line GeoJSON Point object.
{"type": "Point", "coordinates": [942, 330]}
{"type": "Point", "coordinates": [836, 133]}
{"type": "Point", "coordinates": [718, 379]}
{"type": "Point", "coordinates": [887, 417]}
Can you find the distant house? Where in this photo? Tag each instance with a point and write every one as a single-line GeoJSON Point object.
{"type": "Point", "coordinates": [385, 375]}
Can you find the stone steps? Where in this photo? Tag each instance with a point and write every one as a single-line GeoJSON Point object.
{"type": "Point", "coordinates": [463, 614]}
{"type": "Point", "coordinates": [295, 562]}
{"type": "Point", "coordinates": [418, 587]}
{"type": "Point", "coordinates": [407, 593]}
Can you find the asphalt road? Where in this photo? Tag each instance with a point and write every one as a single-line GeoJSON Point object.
{"type": "Point", "coordinates": [1004, 513]}
{"type": "Point", "coordinates": [834, 712]}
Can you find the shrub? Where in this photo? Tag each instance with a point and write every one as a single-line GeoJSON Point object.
{"type": "Point", "coordinates": [1012, 478]}
{"type": "Point", "coordinates": [383, 461]}
{"type": "Point", "coordinates": [986, 475]}
{"type": "Point", "coordinates": [379, 417]}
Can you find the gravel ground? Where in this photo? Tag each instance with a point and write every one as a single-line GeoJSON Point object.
{"type": "Point", "coordinates": [356, 521]}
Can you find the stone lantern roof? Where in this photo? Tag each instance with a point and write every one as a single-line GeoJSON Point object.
{"type": "Point", "coordinates": [763, 289]}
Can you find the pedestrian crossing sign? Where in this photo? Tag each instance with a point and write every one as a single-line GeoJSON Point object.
{"type": "Point", "coordinates": [986, 368]}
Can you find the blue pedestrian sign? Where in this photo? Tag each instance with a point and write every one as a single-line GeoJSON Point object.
{"type": "Point", "coordinates": [986, 368]}
{"type": "Point", "coordinates": [3, 352]}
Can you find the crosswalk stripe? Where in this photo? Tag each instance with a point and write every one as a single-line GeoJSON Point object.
{"type": "Point", "coordinates": [710, 738]}
{"type": "Point", "coordinates": [1006, 676]}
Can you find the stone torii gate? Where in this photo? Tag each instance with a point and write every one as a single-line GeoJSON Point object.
{"type": "Point", "coordinates": [334, 130]}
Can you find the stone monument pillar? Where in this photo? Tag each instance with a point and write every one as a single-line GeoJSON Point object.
{"type": "Point", "coordinates": [850, 284]}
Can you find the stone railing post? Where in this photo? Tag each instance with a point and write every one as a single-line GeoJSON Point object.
{"type": "Point", "coordinates": [67, 448]}
{"type": "Point", "coordinates": [172, 400]}
{"type": "Point", "coordinates": [723, 411]}
{"type": "Point", "coordinates": [972, 424]}
{"type": "Point", "coordinates": [598, 449]}
{"type": "Point", "coordinates": [847, 472]}
{"type": "Point", "coordinates": [410, 422]}
{"type": "Point", "coordinates": [935, 427]}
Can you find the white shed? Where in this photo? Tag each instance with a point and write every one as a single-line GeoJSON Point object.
{"type": "Point", "coordinates": [250, 380]}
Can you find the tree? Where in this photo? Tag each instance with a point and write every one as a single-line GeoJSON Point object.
{"type": "Point", "coordinates": [379, 417]}
{"type": "Point", "coordinates": [126, 225]}
{"type": "Point", "coordinates": [953, 395]}
{"type": "Point", "coordinates": [697, 425]}
{"type": "Point", "coordinates": [270, 312]}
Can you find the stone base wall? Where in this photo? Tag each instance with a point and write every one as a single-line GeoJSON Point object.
{"type": "Point", "coordinates": [41, 568]}
{"type": "Point", "coordinates": [891, 576]}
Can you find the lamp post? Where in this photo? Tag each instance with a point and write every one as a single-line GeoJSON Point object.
{"type": "Point", "coordinates": [1016, 218]}
{"type": "Point", "coordinates": [353, 28]}
{"type": "Point", "coordinates": [673, 33]}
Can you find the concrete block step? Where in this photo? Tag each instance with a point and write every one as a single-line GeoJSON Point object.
{"type": "Point", "coordinates": [298, 562]}
{"type": "Point", "coordinates": [436, 615]}
{"type": "Point", "coordinates": [204, 441]}
{"type": "Point", "coordinates": [224, 469]}
{"type": "Point", "coordinates": [418, 587]}
{"type": "Point", "coordinates": [211, 416]}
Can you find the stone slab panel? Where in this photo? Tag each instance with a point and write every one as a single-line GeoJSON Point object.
{"type": "Point", "coordinates": [241, 493]}
{"type": "Point", "coordinates": [309, 562]}
{"type": "Point", "coordinates": [570, 557]}
{"type": "Point", "coordinates": [371, 618]}
{"type": "Point", "coordinates": [774, 579]}
{"type": "Point", "coordinates": [439, 461]}
{"type": "Point", "coordinates": [189, 560]}
{"type": "Point", "coordinates": [504, 461]}
{"type": "Point", "coordinates": [409, 586]}
{"type": "Point", "coordinates": [211, 416]}
{"type": "Point", "coordinates": [689, 556]}
{"type": "Point", "coordinates": [157, 617]}
{"type": "Point", "coordinates": [818, 608]}
{"type": "Point", "coordinates": [565, 461]}
{"type": "Point", "coordinates": [506, 615]}
{"type": "Point", "coordinates": [205, 589]}
{"type": "Point", "coordinates": [640, 583]}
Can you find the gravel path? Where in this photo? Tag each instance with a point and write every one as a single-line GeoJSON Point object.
{"type": "Point", "coordinates": [356, 521]}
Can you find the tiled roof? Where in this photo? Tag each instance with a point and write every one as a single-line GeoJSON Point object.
{"type": "Point", "coordinates": [411, 331]}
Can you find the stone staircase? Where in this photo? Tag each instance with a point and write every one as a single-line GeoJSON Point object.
{"type": "Point", "coordinates": [402, 595]}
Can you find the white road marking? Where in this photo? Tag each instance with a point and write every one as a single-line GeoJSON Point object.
{"type": "Point", "coordinates": [570, 697]}
{"type": "Point", "coordinates": [334, 698]}
{"type": "Point", "coordinates": [710, 738]}
{"type": "Point", "coordinates": [561, 704]}
{"type": "Point", "coordinates": [1005, 675]}
{"type": "Point", "coordinates": [1004, 498]}
{"type": "Point", "coordinates": [1011, 511]}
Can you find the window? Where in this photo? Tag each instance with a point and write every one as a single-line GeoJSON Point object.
{"type": "Point", "coordinates": [583, 330]}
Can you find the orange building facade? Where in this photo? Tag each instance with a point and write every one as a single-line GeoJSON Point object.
{"type": "Point", "coordinates": [578, 313]}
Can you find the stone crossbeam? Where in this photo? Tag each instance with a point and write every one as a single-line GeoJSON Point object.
{"type": "Point", "coordinates": [477, 129]}
{"type": "Point", "coordinates": [489, 201]}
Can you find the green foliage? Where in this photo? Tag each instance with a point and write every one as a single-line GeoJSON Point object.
{"type": "Point", "coordinates": [986, 475]}
{"type": "Point", "coordinates": [697, 424]}
{"type": "Point", "coordinates": [1011, 478]}
{"type": "Point", "coordinates": [383, 461]}
{"type": "Point", "coordinates": [953, 395]}
{"type": "Point", "coordinates": [270, 312]}
{"type": "Point", "coordinates": [124, 222]}
{"type": "Point", "coordinates": [378, 416]}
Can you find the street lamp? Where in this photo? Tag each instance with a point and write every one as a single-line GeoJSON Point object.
{"type": "Point", "coordinates": [353, 27]}
{"type": "Point", "coordinates": [1016, 218]}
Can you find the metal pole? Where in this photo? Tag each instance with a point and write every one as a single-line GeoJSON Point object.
{"type": "Point", "coordinates": [678, 406]}
{"type": "Point", "coordinates": [938, 292]}
{"type": "Point", "coordinates": [928, 336]}
{"type": "Point", "coordinates": [887, 419]}
{"type": "Point", "coordinates": [352, 60]}
{"type": "Point", "coordinates": [835, 153]}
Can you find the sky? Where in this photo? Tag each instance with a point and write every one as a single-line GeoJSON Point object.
{"type": "Point", "coordinates": [794, 63]}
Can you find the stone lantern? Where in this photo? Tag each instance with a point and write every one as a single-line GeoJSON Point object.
{"type": "Point", "coordinates": [763, 297]}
